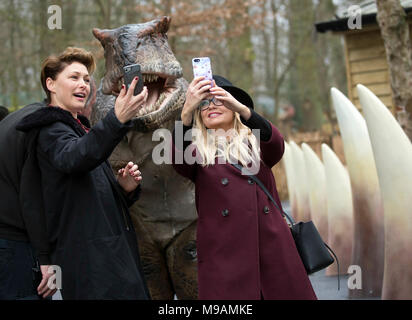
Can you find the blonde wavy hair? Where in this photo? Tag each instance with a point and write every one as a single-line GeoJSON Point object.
{"type": "Point", "coordinates": [238, 145]}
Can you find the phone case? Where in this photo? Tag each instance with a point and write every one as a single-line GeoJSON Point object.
{"type": "Point", "coordinates": [202, 67]}
{"type": "Point", "coordinates": [130, 72]}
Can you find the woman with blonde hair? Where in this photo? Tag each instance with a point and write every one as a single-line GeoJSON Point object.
{"type": "Point", "coordinates": [245, 249]}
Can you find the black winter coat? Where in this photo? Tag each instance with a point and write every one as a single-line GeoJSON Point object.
{"type": "Point", "coordinates": [89, 227]}
{"type": "Point", "coordinates": [21, 208]}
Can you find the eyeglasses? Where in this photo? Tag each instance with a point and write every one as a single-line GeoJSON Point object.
{"type": "Point", "coordinates": [205, 104]}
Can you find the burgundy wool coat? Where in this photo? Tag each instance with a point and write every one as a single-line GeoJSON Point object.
{"type": "Point", "coordinates": [245, 248]}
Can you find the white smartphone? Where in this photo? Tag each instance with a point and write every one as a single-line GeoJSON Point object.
{"type": "Point", "coordinates": [202, 67]}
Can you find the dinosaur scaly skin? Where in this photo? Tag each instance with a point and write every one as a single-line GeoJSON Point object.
{"type": "Point", "coordinates": [165, 215]}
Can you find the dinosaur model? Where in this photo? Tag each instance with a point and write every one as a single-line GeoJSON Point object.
{"type": "Point", "coordinates": [165, 215]}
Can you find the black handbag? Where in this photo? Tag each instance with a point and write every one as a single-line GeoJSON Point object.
{"type": "Point", "coordinates": [313, 251]}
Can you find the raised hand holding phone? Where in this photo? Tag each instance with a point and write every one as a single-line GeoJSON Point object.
{"type": "Point", "coordinates": [197, 91]}
{"type": "Point", "coordinates": [199, 88]}
{"type": "Point", "coordinates": [130, 72]}
{"type": "Point", "coordinates": [230, 102]}
{"type": "Point", "coordinates": [127, 105]}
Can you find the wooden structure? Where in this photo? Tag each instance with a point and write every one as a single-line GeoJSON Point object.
{"type": "Point", "coordinates": [365, 52]}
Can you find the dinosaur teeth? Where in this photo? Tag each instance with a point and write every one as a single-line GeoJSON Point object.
{"type": "Point", "coordinates": [148, 78]}
{"type": "Point", "coordinates": [159, 101]}
{"type": "Point", "coordinates": [146, 109]}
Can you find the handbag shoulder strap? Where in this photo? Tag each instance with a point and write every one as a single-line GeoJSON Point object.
{"type": "Point", "coordinates": [262, 186]}
{"type": "Point", "coordinates": [256, 179]}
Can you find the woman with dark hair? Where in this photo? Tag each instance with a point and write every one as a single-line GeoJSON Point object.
{"type": "Point", "coordinates": [86, 206]}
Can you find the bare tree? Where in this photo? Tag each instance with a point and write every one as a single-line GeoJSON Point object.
{"type": "Point", "coordinates": [105, 12]}
{"type": "Point", "coordinates": [395, 33]}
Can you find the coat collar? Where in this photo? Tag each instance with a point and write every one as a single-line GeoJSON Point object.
{"type": "Point", "coordinates": [48, 115]}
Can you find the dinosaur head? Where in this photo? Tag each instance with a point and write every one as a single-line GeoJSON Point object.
{"type": "Point", "coordinates": [145, 44]}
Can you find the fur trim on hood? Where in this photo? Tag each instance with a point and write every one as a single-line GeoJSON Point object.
{"type": "Point", "coordinates": [48, 115]}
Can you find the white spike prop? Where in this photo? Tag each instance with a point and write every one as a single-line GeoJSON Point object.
{"type": "Point", "coordinates": [315, 173]}
{"type": "Point", "coordinates": [288, 162]}
{"type": "Point", "coordinates": [368, 245]}
{"type": "Point", "coordinates": [393, 157]}
{"type": "Point", "coordinates": [340, 210]}
{"type": "Point", "coordinates": [300, 181]}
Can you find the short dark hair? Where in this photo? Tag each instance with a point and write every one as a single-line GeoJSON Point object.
{"type": "Point", "coordinates": [53, 64]}
{"type": "Point", "coordinates": [3, 112]}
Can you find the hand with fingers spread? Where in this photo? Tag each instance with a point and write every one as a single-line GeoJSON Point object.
{"type": "Point", "coordinates": [129, 177]}
{"type": "Point", "coordinates": [230, 102]}
{"type": "Point", "coordinates": [197, 91]}
{"type": "Point", "coordinates": [44, 289]}
{"type": "Point", "coordinates": [127, 105]}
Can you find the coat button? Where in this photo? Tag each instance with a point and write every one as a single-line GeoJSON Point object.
{"type": "Point", "coordinates": [250, 181]}
{"type": "Point", "coordinates": [266, 209]}
{"type": "Point", "coordinates": [225, 181]}
{"type": "Point", "coordinates": [225, 212]}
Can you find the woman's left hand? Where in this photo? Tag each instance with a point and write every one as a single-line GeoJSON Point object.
{"type": "Point", "coordinates": [230, 102]}
{"type": "Point", "coordinates": [129, 177]}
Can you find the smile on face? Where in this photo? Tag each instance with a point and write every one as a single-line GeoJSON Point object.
{"type": "Point", "coordinates": [218, 117]}
{"type": "Point", "coordinates": [71, 88]}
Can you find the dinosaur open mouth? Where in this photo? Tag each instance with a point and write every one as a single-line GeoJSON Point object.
{"type": "Point", "coordinates": [160, 90]}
